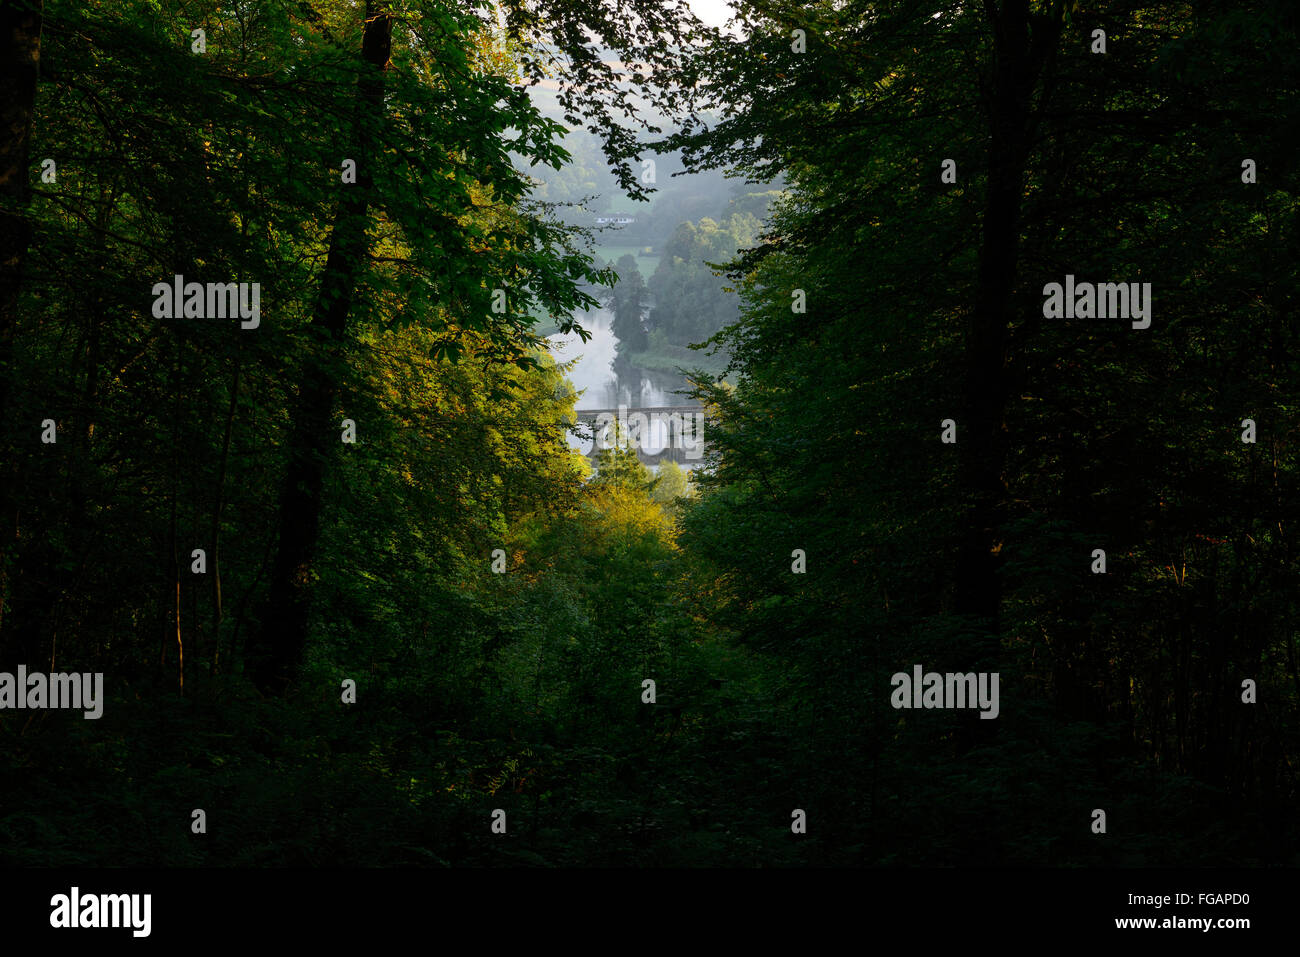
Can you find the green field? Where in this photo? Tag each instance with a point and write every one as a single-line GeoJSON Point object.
{"type": "Point", "coordinates": [676, 357]}
{"type": "Point", "coordinates": [647, 264]}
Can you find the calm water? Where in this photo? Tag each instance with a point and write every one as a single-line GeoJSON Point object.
{"type": "Point", "coordinates": [604, 383]}
{"type": "Point", "coordinates": [599, 383]}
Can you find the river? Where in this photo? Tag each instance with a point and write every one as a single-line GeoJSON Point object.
{"type": "Point", "coordinates": [605, 383]}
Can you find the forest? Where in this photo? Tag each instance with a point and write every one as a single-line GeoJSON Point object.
{"type": "Point", "coordinates": [285, 461]}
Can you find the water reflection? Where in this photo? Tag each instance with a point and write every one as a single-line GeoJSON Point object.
{"type": "Point", "coordinates": [606, 381]}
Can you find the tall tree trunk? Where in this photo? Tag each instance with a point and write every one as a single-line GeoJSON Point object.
{"type": "Point", "coordinates": [20, 57]}
{"type": "Point", "coordinates": [215, 536]}
{"type": "Point", "coordinates": [277, 649]}
{"type": "Point", "coordinates": [982, 453]}
{"type": "Point", "coordinates": [977, 598]}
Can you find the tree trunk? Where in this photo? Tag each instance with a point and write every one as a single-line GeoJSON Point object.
{"type": "Point", "coordinates": [215, 536]}
{"type": "Point", "coordinates": [977, 596]}
{"type": "Point", "coordinates": [20, 57]}
{"type": "Point", "coordinates": [982, 450]}
{"type": "Point", "coordinates": [277, 650]}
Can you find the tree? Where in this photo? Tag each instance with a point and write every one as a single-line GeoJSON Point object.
{"type": "Point", "coordinates": [923, 301]}
{"type": "Point", "coordinates": [692, 299]}
{"type": "Point", "coordinates": [628, 298]}
{"type": "Point", "coordinates": [535, 268]}
{"type": "Point", "coordinates": [20, 46]}
{"type": "Point", "coordinates": [671, 483]}
{"type": "Point", "coordinates": [285, 623]}
{"type": "Point", "coordinates": [618, 465]}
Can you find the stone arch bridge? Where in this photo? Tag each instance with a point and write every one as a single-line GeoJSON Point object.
{"type": "Point", "coordinates": [672, 432]}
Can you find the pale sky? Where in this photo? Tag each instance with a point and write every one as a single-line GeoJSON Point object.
{"type": "Point", "coordinates": [713, 12]}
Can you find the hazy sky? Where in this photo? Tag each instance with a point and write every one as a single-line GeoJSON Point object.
{"type": "Point", "coordinates": [712, 12]}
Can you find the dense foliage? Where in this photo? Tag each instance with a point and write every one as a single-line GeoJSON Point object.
{"type": "Point", "coordinates": [924, 302]}
{"type": "Point", "coordinates": [501, 610]}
